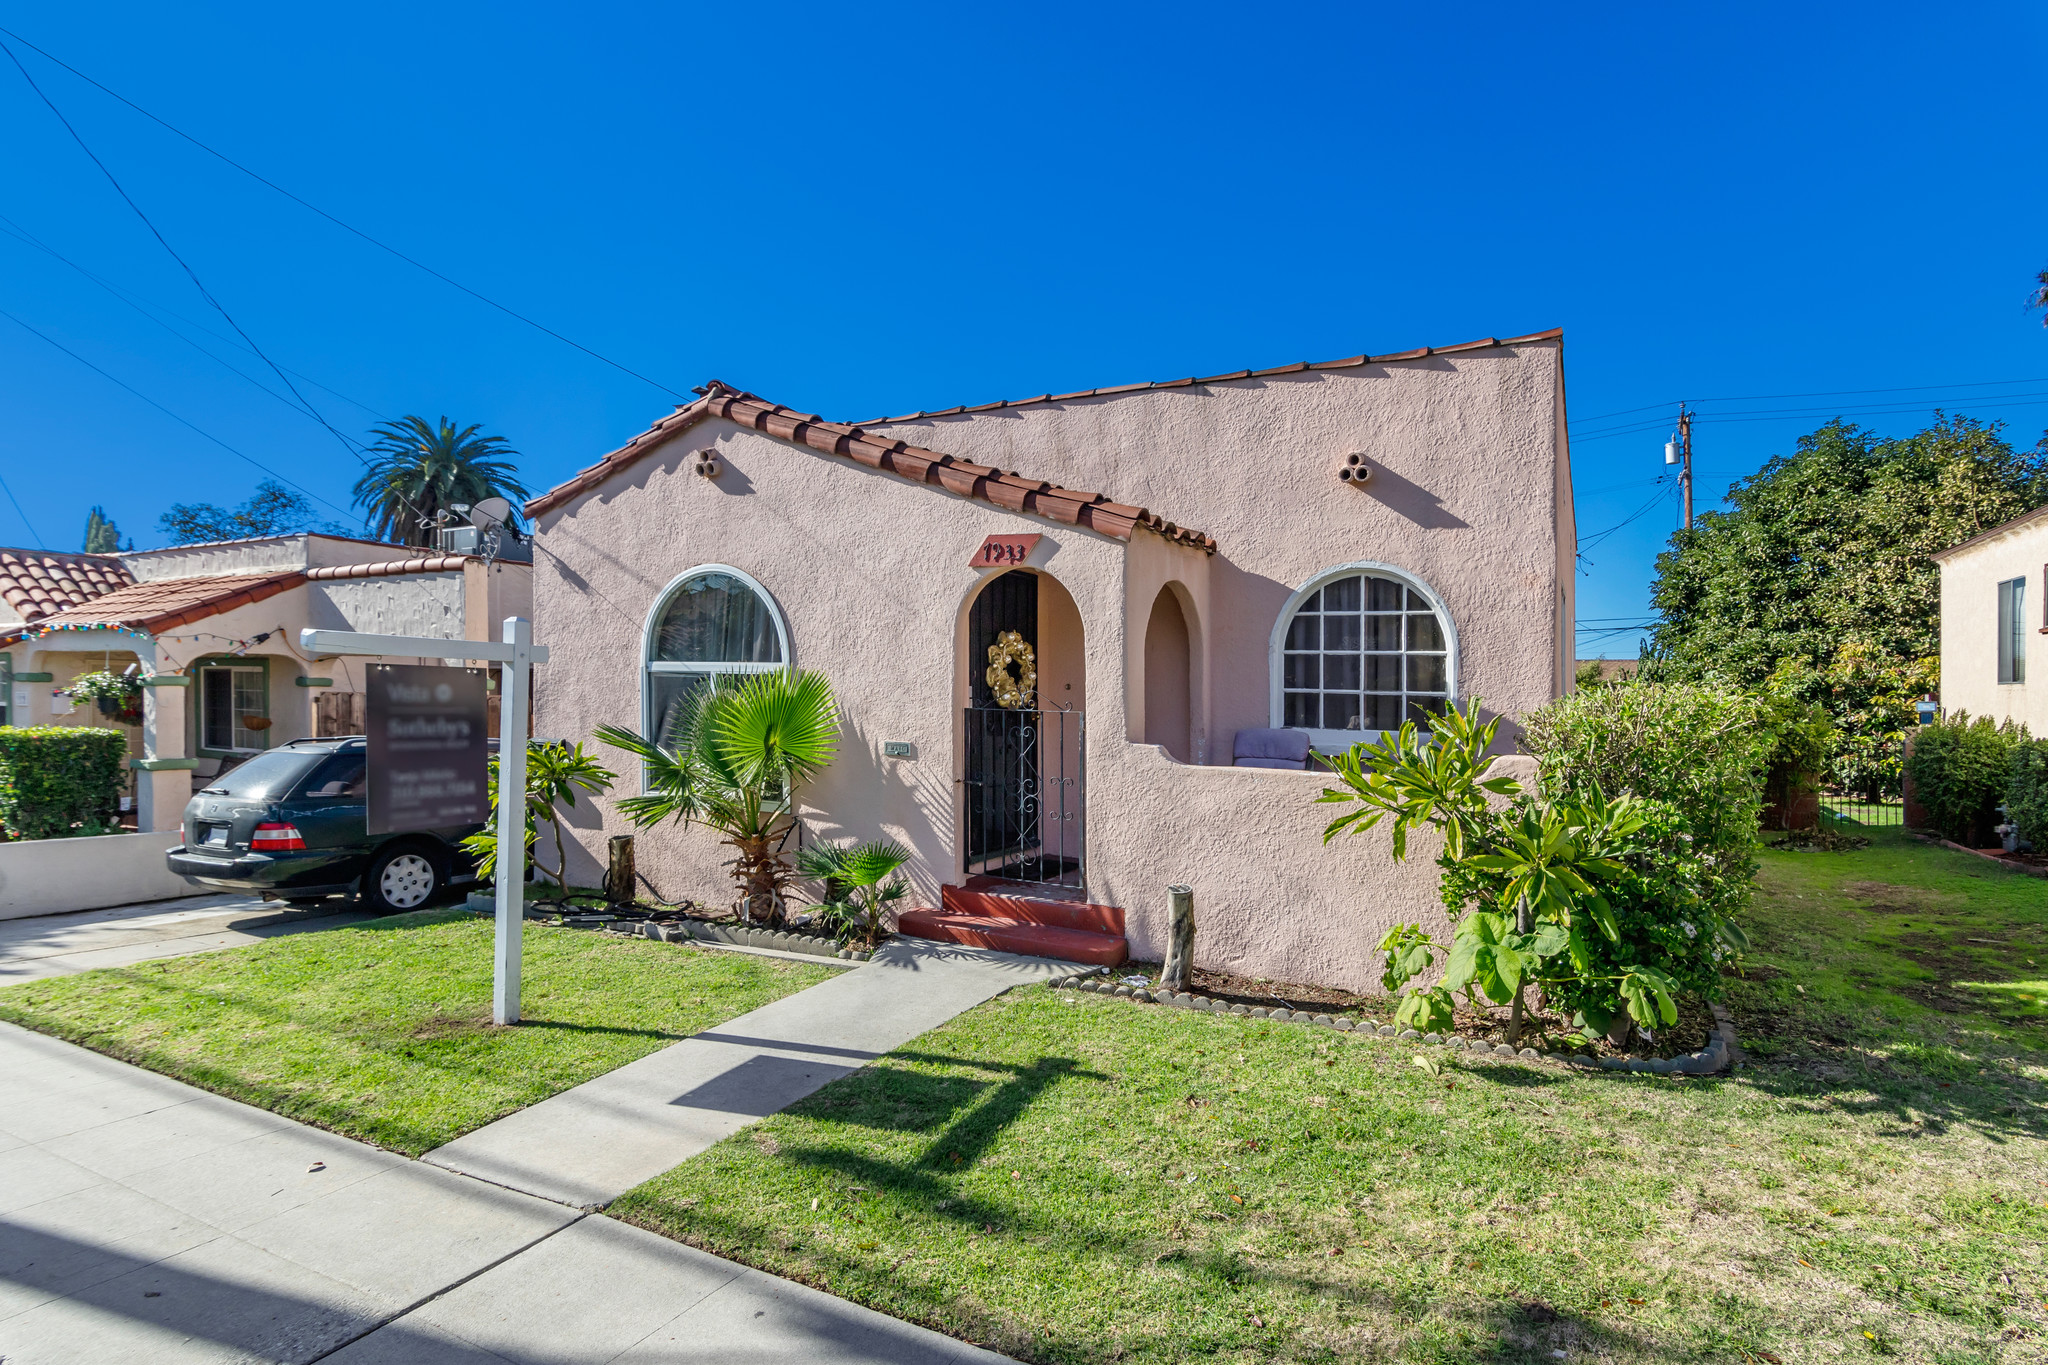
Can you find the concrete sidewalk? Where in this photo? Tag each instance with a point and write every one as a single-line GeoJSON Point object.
{"type": "Point", "coordinates": [143, 1221]}
{"type": "Point", "coordinates": [588, 1145]}
{"type": "Point", "coordinates": [58, 945]}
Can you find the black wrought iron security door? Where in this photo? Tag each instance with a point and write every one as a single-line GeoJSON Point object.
{"type": "Point", "coordinates": [1025, 771]}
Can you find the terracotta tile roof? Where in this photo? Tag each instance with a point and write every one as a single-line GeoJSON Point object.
{"type": "Point", "coordinates": [1003, 488]}
{"type": "Point", "coordinates": [1350, 362]}
{"type": "Point", "coordinates": [158, 606]}
{"type": "Point", "coordinates": [39, 583]}
{"type": "Point", "coordinates": [430, 564]}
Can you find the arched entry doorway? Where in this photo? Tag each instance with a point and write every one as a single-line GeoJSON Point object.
{"type": "Point", "coordinates": [1023, 765]}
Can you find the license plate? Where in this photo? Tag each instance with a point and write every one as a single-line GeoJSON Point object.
{"type": "Point", "coordinates": [215, 836]}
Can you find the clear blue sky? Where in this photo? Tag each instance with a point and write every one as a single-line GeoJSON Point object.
{"type": "Point", "coordinates": [860, 209]}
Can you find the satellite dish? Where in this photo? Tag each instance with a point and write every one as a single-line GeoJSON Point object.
{"type": "Point", "coordinates": [490, 512]}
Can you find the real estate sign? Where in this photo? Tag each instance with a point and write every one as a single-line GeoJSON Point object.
{"type": "Point", "coordinates": [427, 748]}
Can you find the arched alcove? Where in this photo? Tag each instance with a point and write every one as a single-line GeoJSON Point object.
{"type": "Point", "coordinates": [1169, 695]}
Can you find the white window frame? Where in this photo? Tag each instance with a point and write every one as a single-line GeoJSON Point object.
{"type": "Point", "coordinates": [234, 717]}
{"type": "Point", "coordinates": [649, 666]}
{"type": "Point", "coordinates": [2012, 632]}
{"type": "Point", "coordinates": [1337, 741]}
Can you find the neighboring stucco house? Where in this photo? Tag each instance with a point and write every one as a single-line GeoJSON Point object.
{"type": "Point", "coordinates": [1378, 536]}
{"type": "Point", "coordinates": [213, 631]}
{"type": "Point", "coordinates": [1994, 614]}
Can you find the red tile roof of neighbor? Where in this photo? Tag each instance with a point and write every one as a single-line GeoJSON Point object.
{"type": "Point", "coordinates": [40, 583]}
{"type": "Point", "coordinates": [1003, 488]}
{"type": "Point", "coordinates": [158, 606]}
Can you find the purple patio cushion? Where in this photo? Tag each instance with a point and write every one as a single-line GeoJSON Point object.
{"type": "Point", "coordinates": [1271, 749]}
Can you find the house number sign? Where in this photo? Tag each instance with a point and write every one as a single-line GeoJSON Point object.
{"type": "Point", "coordinates": [1003, 551]}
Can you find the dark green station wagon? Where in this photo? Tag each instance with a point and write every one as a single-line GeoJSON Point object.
{"type": "Point", "coordinates": [292, 824]}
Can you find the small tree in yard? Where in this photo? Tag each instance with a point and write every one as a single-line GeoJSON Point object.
{"type": "Point", "coordinates": [555, 772]}
{"type": "Point", "coordinates": [1531, 882]}
{"type": "Point", "coordinates": [737, 758]}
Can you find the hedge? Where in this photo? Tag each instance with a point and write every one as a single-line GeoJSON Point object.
{"type": "Point", "coordinates": [2026, 793]}
{"type": "Point", "coordinates": [59, 780]}
{"type": "Point", "coordinates": [1961, 770]}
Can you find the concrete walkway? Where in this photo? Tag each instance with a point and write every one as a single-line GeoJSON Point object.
{"type": "Point", "coordinates": [587, 1146]}
{"type": "Point", "coordinates": [144, 1222]}
{"type": "Point", "coordinates": [58, 945]}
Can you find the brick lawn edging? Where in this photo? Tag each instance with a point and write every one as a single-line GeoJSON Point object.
{"type": "Point", "coordinates": [729, 935]}
{"type": "Point", "coordinates": [1718, 1056]}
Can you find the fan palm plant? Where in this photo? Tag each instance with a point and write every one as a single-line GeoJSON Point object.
{"type": "Point", "coordinates": [419, 469]}
{"type": "Point", "coordinates": [735, 760]}
{"type": "Point", "coordinates": [860, 883]}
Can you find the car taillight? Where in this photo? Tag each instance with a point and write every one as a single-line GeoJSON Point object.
{"type": "Point", "coordinates": [274, 838]}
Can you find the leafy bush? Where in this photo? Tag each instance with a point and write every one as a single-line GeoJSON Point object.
{"type": "Point", "coordinates": [1597, 902]}
{"type": "Point", "coordinates": [2026, 792]}
{"type": "Point", "coordinates": [1961, 770]}
{"type": "Point", "coordinates": [59, 780]}
{"type": "Point", "coordinates": [1702, 750]}
{"type": "Point", "coordinates": [1803, 746]}
{"type": "Point", "coordinates": [555, 772]}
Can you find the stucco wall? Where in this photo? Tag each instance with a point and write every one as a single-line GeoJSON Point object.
{"type": "Point", "coordinates": [429, 605]}
{"type": "Point", "coordinates": [871, 573]}
{"type": "Point", "coordinates": [272, 554]}
{"type": "Point", "coordinates": [1969, 627]}
{"type": "Point", "coordinates": [55, 876]}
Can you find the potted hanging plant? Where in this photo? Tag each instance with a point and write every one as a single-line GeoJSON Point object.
{"type": "Point", "coordinates": [117, 695]}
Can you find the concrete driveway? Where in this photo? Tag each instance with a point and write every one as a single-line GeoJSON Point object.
{"type": "Point", "coordinates": [58, 945]}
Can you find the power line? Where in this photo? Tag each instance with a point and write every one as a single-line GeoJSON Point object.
{"type": "Point", "coordinates": [169, 250]}
{"type": "Point", "coordinates": [167, 412]}
{"type": "Point", "coordinates": [1824, 393]}
{"type": "Point", "coordinates": [1655, 498]}
{"type": "Point", "coordinates": [314, 208]}
{"type": "Point", "coordinates": [15, 230]}
{"type": "Point", "coordinates": [34, 534]}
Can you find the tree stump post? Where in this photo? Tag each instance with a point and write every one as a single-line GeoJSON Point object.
{"type": "Point", "coordinates": [618, 873]}
{"type": "Point", "coordinates": [1180, 940]}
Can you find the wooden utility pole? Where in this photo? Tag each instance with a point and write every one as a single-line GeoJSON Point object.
{"type": "Point", "coordinates": [1685, 447]}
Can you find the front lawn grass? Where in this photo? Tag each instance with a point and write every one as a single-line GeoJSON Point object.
{"type": "Point", "coordinates": [382, 1031]}
{"type": "Point", "coordinates": [1072, 1178]}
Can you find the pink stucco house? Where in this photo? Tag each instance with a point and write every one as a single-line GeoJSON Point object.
{"type": "Point", "coordinates": [1305, 553]}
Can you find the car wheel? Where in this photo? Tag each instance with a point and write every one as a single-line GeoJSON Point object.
{"type": "Point", "coordinates": [400, 879]}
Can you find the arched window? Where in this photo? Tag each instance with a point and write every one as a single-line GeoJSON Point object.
{"type": "Point", "coordinates": [1359, 650]}
{"type": "Point", "coordinates": [713, 622]}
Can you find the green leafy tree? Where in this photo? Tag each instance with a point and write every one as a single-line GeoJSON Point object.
{"type": "Point", "coordinates": [1817, 583]}
{"type": "Point", "coordinates": [860, 884]}
{"type": "Point", "coordinates": [420, 469]}
{"type": "Point", "coordinates": [273, 510]}
{"type": "Point", "coordinates": [102, 537]}
{"type": "Point", "coordinates": [737, 759]}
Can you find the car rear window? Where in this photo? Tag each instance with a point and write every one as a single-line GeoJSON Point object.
{"type": "Point", "coordinates": [266, 776]}
{"type": "Point", "coordinates": [343, 775]}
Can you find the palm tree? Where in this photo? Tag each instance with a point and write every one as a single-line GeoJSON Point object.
{"type": "Point", "coordinates": [419, 470]}
{"type": "Point", "coordinates": [860, 883]}
{"type": "Point", "coordinates": [736, 760]}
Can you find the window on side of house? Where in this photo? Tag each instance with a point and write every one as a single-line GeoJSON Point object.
{"type": "Point", "coordinates": [6, 689]}
{"type": "Point", "coordinates": [2012, 631]}
{"type": "Point", "coordinates": [229, 698]}
{"type": "Point", "coordinates": [714, 626]}
{"type": "Point", "coordinates": [1362, 651]}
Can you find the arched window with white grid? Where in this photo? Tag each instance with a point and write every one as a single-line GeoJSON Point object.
{"type": "Point", "coordinates": [1359, 649]}
{"type": "Point", "coordinates": [711, 624]}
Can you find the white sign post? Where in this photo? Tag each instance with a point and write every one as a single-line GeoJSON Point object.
{"type": "Point", "coordinates": [515, 658]}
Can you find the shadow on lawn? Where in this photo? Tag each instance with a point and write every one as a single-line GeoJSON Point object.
{"type": "Point", "coordinates": [979, 1110]}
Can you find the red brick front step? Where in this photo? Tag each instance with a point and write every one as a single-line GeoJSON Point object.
{"type": "Point", "coordinates": [1011, 920]}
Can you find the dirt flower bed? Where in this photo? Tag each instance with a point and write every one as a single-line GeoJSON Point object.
{"type": "Point", "coordinates": [1544, 1032]}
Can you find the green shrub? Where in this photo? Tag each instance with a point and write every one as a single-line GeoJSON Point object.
{"type": "Point", "coordinates": [57, 780]}
{"type": "Point", "coordinates": [1960, 770]}
{"type": "Point", "coordinates": [2026, 792]}
{"type": "Point", "coordinates": [1703, 750]}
